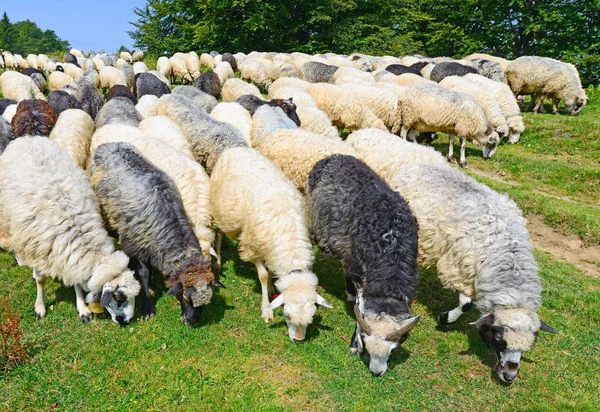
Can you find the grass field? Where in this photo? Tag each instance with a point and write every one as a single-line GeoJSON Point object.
{"type": "Point", "coordinates": [234, 361]}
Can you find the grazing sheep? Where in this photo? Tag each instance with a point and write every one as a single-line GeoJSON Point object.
{"type": "Point", "coordinates": [89, 96]}
{"type": "Point", "coordinates": [118, 110]}
{"type": "Point", "coordinates": [129, 74]}
{"type": "Point", "coordinates": [161, 77]}
{"type": "Point", "coordinates": [192, 63]}
{"type": "Point", "coordinates": [266, 119]}
{"type": "Point", "coordinates": [426, 71]}
{"type": "Point", "coordinates": [295, 152]}
{"type": "Point", "coordinates": [224, 71]}
{"type": "Point", "coordinates": [138, 56]}
{"type": "Point", "coordinates": [287, 92]}
{"type": "Point", "coordinates": [501, 61]}
{"type": "Point", "coordinates": [357, 218]}
{"type": "Point", "coordinates": [72, 70]}
{"type": "Point", "coordinates": [251, 103]}
{"type": "Point", "coordinates": [290, 81]}
{"type": "Point", "coordinates": [33, 117]}
{"type": "Point", "coordinates": [121, 91]}
{"type": "Point", "coordinates": [125, 55]}
{"type": "Point", "coordinates": [315, 72]}
{"type": "Point", "coordinates": [432, 108]}
{"type": "Point", "coordinates": [209, 83]}
{"type": "Point", "coordinates": [228, 57]}
{"type": "Point", "coordinates": [484, 97]}
{"type": "Point", "coordinates": [399, 69]}
{"type": "Point", "coordinates": [481, 248]}
{"type": "Point", "coordinates": [387, 154]}
{"type": "Point", "coordinates": [234, 114]}
{"type": "Point", "coordinates": [383, 103]}
{"type": "Point", "coordinates": [146, 106]}
{"type": "Point", "coordinates": [58, 80]}
{"type": "Point", "coordinates": [208, 137]}
{"type": "Point", "coordinates": [256, 71]}
{"type": "Point", "coordinates": [110, 76]}
{"type": "Point", "coordinates": [73, 132]}
{"type": "Point", "coordinates": [140, 67]}
{"type": "Point", "coordinates": [408, 79]}
{"type": "Point", "coordinates": [547, 78]}
{"type": "Point", "coordinates": [143, 206]}
{"type": "Point", "coordinates": [163, 65]}
{"type": "Point", "coordinates": [202, 99]}
{"type": "Point", "coordinates": [6, 134]}
{"type": "Point", "coordinates": [70, 58]}
{"type": "Point", "coordinates": [167, 131]}
{"type": "Point", "coordinates": [16, 86]}
{"type": "Point", "coordinates": [207, 60]}
{"type": "Point", "coordinates": [179, 70]}
{"type": "Point", "coordinates": [234, 88]}
{"type": "Point", "coordinates": [60, 101]}
{"type": "Point", "coordinates": [278, 69]}
{"type": "Point", "coordinates": [75, 52]}
{"type": "Point", "coordinates": [254, 203]}
{"type": "Point", "coordinates": [445, 69]}
{"type": "Point", "coordinates": [507, 102]}
{"type": "Point", "coordinates": [67, 241]}
{"type": "Point", "coordinates": [316, 120]}
{"type": "Point", "coordinates": [491, 70]}
{"type": "Point", "coordinates": [146, 83]}
{"type": "Point", "coordinates": [343, 109]}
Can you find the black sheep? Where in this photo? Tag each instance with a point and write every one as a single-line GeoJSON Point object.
{"type": "Point", "coordinates": [147, 83]}
{"type": "Point", "coordinates": [419, 65]}
{"type": "Point", "coordinates": [399, 69]}
{"type": "Point", "coordinates": [357, 218]}
{"type": "Point", "coordinates": [445, 69]}
{"type": "Point", "coordinates": [61, 101]}
{"type": "Point", "coordinates": [209, 83]}
{"type": "Point", "coordinates": [251, 103]}
{"type": "Point", "coordinates": [69, 58]}
{"type": "Point", "coordinates": [4, 103]}
{"type": "Point", "coordinates": [229, 58]}
{"type": "Point", "coordinates": [121, 91]}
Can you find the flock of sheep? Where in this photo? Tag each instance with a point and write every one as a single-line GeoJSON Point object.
{"type": "Point", "coordinates": [160, 167]}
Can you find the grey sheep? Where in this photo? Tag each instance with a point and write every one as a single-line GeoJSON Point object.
{"type": "Point", "coordinates": [357, 218]}
{"type": "Point", "coordinates": [491, 70]}
{"type": "Point", "coordinates": [118, 110]}
{"type": "Point", "coordinates": [60, 101]}
{"type": "Point", "coordinates": [315, 72]}
{"type": "Point", "coordinates": [228, 57]}
{"type": "Point", "coordinates": [129, 74]}
{"type": "Point", "coordinates": [143, 205]}
{"type": "Point", "coordinates": [89, 96]}
{"type": "Point", "coordinates": [445, 69]}
{"type": "Point", "coordinates": [6, 134]}
{"type": "Point", "coordinates": [252, 103]}
{"type": "Point", "coordinates": [202, 99]}
{"type": "Point", "coordinates": [207, 136]}
{"type": "Point", "coordinates": [146, 83]}
{"type": "Point", "coordinates": [209, 83]}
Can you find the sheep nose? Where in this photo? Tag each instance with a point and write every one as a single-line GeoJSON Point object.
{"type": "Point", "coordinates": [121, 320]}
{"type": "Point", "coordinates": [297, 340]}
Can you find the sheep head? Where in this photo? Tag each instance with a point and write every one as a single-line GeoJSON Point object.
{"type": "Point", "coordinates": [489, 143]}
{"type": "Point", "coordinates": [380, 335]}
{"type": "Point", "coordinates": [299, 298]}
{"type": "Point", "coordinates": [510, 332]}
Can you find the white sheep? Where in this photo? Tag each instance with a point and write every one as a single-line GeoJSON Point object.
{"type": "Point", "coordinates": [59, 232]}
{"type": "Point", "coordinates": [316, 120]}
{"type": "Point", "coordinates": [57, 80]}
{"type": "Point", "coordinates": [344, 110]}
{"type": "Point", "coordinates": [344, 74]}
{"type": "Point", "coordinates": [17, 86]}
{"type": "Point", "coordinates": [99, 63]}
{"type": "Point", "coordinates": [140, 67]}
{"type": "Point", "coordinates": [408, 79]}
{"type": "Point", "coordinates": [502, 61]}
{"type": "Point", "coordinates": [432, 108]}
{"type": "Point", "coordinates": [126, 56]}
{"type": "Point", "coordinates": [299, 96]}
{"type": "Point", "coordinates": [111, 76]}
{"type": "Point", "coordinates": [483, 96]}
{"type": "Point", "coordinates": [33, 61]}
{"type": "Point", "coordinates": [507, 102]}
{"type": "Point", "coordinates": [10, 62]}
{"type": "Point", "coordinates": [167, 131]}
{"type": "Point", "coordinates": [224, 71]}
{"type": "Point", "coordinates": [296, 151]}
{"type": "Point", "coordinates": [192, 63]}
{"type": "Point", "coordinates": [163, 65]}
{"type": "Point", "coordinates": [146, 105]}
{"type": "Point", "coordinates": [234, 88]}
{"type": "Point", "coordinates": [253, 202]}
{"type": "Point", "coordinates": [278, 69]}
{"type": "Point", "coordinates": [138, 56]}
{"type": "Point", "coordinates": [73, 132]}
{"type": "Point", "coordinates": [382, 102]}
{"type": "Point", "coordinates": [179, 70]}
{"type": "Point", "coordinates": [255, 71]}
{"type": "Point", "coordinates": [207, 60]}
{"type": "Point", "coordinates": [234, 114]}
{"type": "Point", "coordinates": [9, 112]}
{"type": "Point", "coordinates": [76, 52]}
{"type": "Point", "coordinates": [267, 119]}
{"type": "Point", "coordinates": [291, 82]}
{"type": "Point", "coordinates": [386, 153]}
{"type": "Point", "coordinates": [73, 71]}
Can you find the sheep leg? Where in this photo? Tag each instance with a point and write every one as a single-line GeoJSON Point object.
{"type": "Point", "coordinates": [555, 106]}
{"type": "Point", "coordinates": [218, 241]}
{"type": "Point", "coordinates": [263, 276]}
{"type": "Point", "coordinates": [40, 307]}
{"type": "Point", "coordinates": [540, 102]}
{"type": "Point", "coordinates": [450, 155]}
{"type": "Point", "coordinates": [84, 312]}
{"type": "Point", "coordinates": [463, 162]}
{"type": "Point", "coordinates": [144, 273]}
{"type": "Point", "coordinates": [465, 304]}
{"type": "Point", "coordinates": [403, 132]}
{"type": "Point", "coordinates": [350, 290]}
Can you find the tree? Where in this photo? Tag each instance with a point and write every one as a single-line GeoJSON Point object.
{"type": "Point", "coordinates": [7, 33]}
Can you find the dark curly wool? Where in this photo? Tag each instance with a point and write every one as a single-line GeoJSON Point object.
{"type": "Point", "coordinates": [252, 103]}
{"type": "Point", "coordinates": [121, 91]}
{"type": "Point", "coordinates": [357, 218]}
{"type": "Point", "coordinates": [316, 72]}
{"type": "Point", "coordinates": [34, 117]}
{"type": "Point", "coordinates": [69, 58]}
{"type": "Point", "coordinates": [442, 70]}
{"type": "Point", "coordinates": [6, 134]}
{"type": "Point", "coordinates": [30, 70]}
{"type": "Point", "coordinates": [399, 69]}
{"type": "Point", "coordinates": [228, 57]}
{"type": "Point", "coordinates": [4, 103]}
{"type": "Point", "coordinates": [61, 101]}
{"type": "Point", "coordinates": [419, 65]}
{"type": "Point", "coordinates": [152, 225]}
{"type": "Point", "coordinates": [209, 83]}
{"type": "Point", "coordinates": [147, 83]}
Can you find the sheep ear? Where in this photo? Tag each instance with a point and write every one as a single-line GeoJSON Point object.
{"type": "Point", "coordinates": [547, 328]}
{"type": "Point", "coordinates": [107, 295]}
{"type": "Point", "coordinates": [219, 284]}
{"type": "Point", "coordinates": [175, 289]}
{"type": "Point", "coordinates": [484, 320]}
{"type": "Point", "coordinates": [277, 302]}
{"type": "Point", "coordinates": [213, 253]}
{"type": "Point", "coordinates": [321, 301]}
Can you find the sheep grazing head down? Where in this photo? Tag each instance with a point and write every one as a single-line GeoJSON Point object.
{"type": "Point", "coordinates": [574, 106]}
{"type": "Point", "coordinates": [510, 332]}
{"type": "Point", "coordinates": [193, 289]}
{"type": "Point", "coordinates": [299, 298]}
{"type": "Point", "coordinates": [489, 143]}
{"type": "Point", "coordinates": [289, 108]}
{"type": "Point", "coordinates": [515, 128]}
{"type": "Point", "coordinates": [118, 297]}
{"type": "Point", "coordinates": [380, 335]}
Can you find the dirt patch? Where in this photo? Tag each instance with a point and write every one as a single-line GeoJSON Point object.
{"type": "Point", "coordinates": [492, 175]}
{"type": "Point", "coordinates": [564, 247]}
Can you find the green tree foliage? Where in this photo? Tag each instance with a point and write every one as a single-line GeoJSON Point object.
{"type": "Point", "coordinates": [563, 29]}
{"type": "Point", "coordinates": [26, 37]}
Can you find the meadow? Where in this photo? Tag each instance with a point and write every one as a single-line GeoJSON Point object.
{"type": "Point", "coordinates": [234, 361]}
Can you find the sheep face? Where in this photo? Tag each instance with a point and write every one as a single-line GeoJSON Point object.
{"type": "Point", "coordinates": [515, 128]}
{"type": "Point", "coordinates": [289, 108]}
{"type": "Point", "coordinates": [574, 106]}
{"type": "Point", "coordinates": [380, 336]}
{"type": "Point", "coordinates": [489, 144]}
{"type": "Point", "coordinates": [118, 297]}
{"type": "Point", "coordinates": [193, 290]}
{"type": "Point", "coordinates": [510, 332]}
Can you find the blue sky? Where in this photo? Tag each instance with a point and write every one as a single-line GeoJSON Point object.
{"type": "Point", "coordinates": [87, 24]}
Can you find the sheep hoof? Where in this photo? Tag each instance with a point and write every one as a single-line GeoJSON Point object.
{"type": "Point", "coordinates": [85, 318]}
{"type": "Point", "coordinates": [464, 165]}
{"type": "Point", "coordinates": [267, 315]}
{"type": "Point", "coordinates": [353, 351]}
{"type": "Point", "coordinates": [39, 315]}
{"type": "Point", "coordinates": [148, 316]}
{"type": "Point", "coordinates": [443, 319]}
{"type": "Point", "coordinates": [451, 159]}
